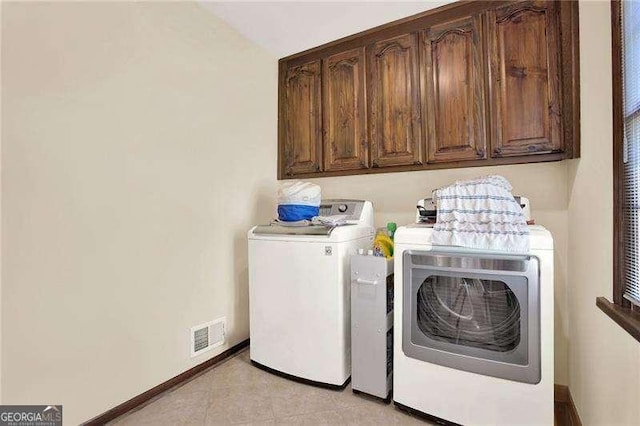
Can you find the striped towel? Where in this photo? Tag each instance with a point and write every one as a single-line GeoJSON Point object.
{"type": "Point", "coordinates": [482, 214]}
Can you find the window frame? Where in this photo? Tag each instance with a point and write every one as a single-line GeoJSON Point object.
{"type": "Point", "coordinates": [623, 312]}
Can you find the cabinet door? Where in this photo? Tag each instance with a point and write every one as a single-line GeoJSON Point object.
{"type": "Point", "coordinates": [345, 144]}
{"type": "Point", "coordinates": [301, 119]}
{"type": "Point", "coordinates": [394, 120]}
{"type": "Point", "coordinates": [524, 48]}
{"type": "Point", "coordinates": [453, 90]}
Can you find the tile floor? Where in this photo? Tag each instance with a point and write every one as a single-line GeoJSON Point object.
{"type": "Point", "coordinates": [235, 392]}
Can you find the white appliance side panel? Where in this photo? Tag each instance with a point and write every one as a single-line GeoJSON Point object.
{"type": "Point", "coordinates": [470, 398]}
{"type": "Point", "coordinates": [299, 307]}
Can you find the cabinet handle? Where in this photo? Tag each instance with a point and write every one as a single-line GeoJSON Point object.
{"type": "Point", "coordinates": [367, 282]}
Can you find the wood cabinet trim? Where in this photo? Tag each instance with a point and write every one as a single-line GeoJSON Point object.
{"type": "Point", "coordinates": [518, 9]}
{"type": "Point", "coordinates": [281, 111]}
{"type": "Point", "coordinates": [540, 158]}
{"type": "Point", "coordinates": [570, 69]}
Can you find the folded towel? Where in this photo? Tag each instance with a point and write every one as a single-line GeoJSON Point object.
{"type": "Point", "coordinates": [335, 220]}
{"type": "Point", "coordinates": [482, 214]}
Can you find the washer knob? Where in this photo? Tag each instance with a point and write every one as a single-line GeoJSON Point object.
{"type": "Point", "coordinates": [342, 208]}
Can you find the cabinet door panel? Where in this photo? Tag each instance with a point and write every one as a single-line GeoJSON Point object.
{"type": "Point", "coordinates": [453, 80]}
{"type": "Point", "coordinates": [345, 145]}
{"type": "Point", "coordinates": [394, 106]}
{"type": "Point", "coordinates": [525, 80]}
{"type": "Point", "coordinates": [302, 119]}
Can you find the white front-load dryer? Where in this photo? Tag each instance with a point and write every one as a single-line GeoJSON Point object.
{"type": "Point", "coordinates": [299, 294]}
{"type": "Point", "coordinates": [473, 331]}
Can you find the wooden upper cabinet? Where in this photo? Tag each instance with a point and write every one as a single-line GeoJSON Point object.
{"type": "Point", "coordinates": [453, 90]}
{"type": "Point", "coordinates": [344, 111]}
{"type": "Point", "coordinates": [300, 119]}
{"type": "Point", "coordinates": [524, 51]}
{"type": "Point", "coordinates": [393, 99]}
{"type": "Point", "coordinates": [474, 83]}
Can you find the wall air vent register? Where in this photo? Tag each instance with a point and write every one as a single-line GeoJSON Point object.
{"type": "Point", "coordinates": [207, 336]}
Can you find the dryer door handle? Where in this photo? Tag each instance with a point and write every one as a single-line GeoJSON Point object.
{"type": "Point", "coordinates": [367, 282]}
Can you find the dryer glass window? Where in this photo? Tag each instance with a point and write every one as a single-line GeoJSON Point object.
{"type": "Point", "coordinates": [478, 312]}
{"type": "Point", "coordinates": [470, 312]}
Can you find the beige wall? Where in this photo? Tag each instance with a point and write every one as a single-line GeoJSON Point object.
{"type": "Point", "coordinates": [604, 361]}
{"type": "Point", "coordinates": [138, 145]}
{"type": "Point", "coordinates": [134, 142]}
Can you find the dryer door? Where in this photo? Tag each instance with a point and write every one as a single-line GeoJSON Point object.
{"type": "Point", "coordinates": [478, 313]}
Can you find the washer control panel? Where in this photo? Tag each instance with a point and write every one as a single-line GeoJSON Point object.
{"type": "Point", "coordinates": [350, 208]}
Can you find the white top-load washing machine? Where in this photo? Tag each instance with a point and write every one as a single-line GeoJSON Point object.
{"type": "Point", "coordinates": [473, 330]}
{"type": "Point", "coordinates": [299, 294]}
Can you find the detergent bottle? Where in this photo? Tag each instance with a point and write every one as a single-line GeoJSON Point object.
{"type": "Point", "coordinates": [383, 244]}
{"type": "Point", "coordinates": [391, 228]}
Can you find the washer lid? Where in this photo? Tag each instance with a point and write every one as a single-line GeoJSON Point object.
{"type": "Point", "coordinates": [305, 235]}
{"type": "Point", "coordinates": [275, 229]}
